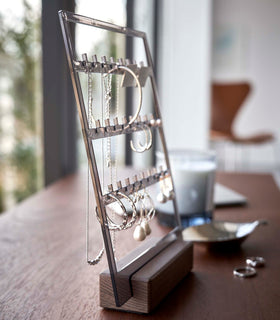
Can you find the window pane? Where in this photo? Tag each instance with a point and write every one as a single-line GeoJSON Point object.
{"type": "Point", "coordinates": [20, 101]}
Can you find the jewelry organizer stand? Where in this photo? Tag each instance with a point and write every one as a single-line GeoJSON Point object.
{"type": "Point", "coordinates": [138, 282]}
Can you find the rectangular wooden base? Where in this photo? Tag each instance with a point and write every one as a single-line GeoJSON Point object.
{"type": "Point", "coordinates": [153, 281]}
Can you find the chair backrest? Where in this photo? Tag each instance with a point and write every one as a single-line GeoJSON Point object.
{"type": "Point", "coordinates": [227, 99]}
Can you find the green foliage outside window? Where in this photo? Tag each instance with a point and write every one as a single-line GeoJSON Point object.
{"type": "Point", "coordinates": [20, 122]}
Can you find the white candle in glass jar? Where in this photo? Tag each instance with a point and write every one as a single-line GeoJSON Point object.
{"type": "Point", "coordinates": [194, 177]}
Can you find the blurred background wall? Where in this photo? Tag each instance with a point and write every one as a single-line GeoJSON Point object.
{"type": "Point", "coordinates": [246, 46]}
{"type": "Point", "coordinates": [184, 64]}
{"type": "Point", "coordinates": [224, 41]}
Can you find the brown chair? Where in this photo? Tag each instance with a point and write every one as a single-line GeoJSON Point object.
{"type": "Point", "coordinates": [227, 100]}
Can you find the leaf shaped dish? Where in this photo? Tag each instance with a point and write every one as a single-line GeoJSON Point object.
{"type": "Point", "coordinates": [221, 232]}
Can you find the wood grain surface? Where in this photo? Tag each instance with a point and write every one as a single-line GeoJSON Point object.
{"type": "Point", "coordinates": [154, 280]}
{"type": "Point", "coordinates": [43, 273]}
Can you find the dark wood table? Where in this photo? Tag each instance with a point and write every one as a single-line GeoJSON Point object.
{"type": "Point", "coordinates": [43, 273]}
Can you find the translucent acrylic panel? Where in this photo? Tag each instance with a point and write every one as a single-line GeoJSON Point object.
{"type": "Point", "coordinates": [20, 101]}
{"type": "Point", "coordinates": [91, 41]}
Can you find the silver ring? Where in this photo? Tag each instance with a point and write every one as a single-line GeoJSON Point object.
{"type": "Point", "coordinates": [255, 262]}
{"type": "Point", "coordinates": [244, 272]}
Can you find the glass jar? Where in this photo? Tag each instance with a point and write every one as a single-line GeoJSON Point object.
{"type": "Point", "coordinates": [194, 177]}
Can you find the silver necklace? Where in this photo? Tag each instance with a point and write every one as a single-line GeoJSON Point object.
{"type": "Point", "coordinates": [107, 85]}
{"type": "Point", "coordinates": [90, 124]}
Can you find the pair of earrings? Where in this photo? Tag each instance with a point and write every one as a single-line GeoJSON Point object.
{"type": "Point", "coordinates": [146, 214]}
{"type": "Point", "coordinates": [166, 189]}
{"type": "Point", "coordinates": [128, 220]}
{"type": "Point", "coordinates": [148, 143]}
{"type": "Point", "coordinates": [143, 228]}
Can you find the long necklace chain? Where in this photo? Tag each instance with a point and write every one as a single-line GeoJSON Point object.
{"type": "Point", "coordinates": [90, 99]}
{"type": "Point", "coordinates": [90, 124]}
{"type": "Point", "coordinates": [106, 92]}
{"type": "Point", "coordinates": [115, 163]}
{"type": "Point", "coordinates": [117, 116]}
{"type": "Point", "coordinates": [107, 84]}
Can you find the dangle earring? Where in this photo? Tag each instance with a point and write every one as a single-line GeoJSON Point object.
{"type": "Point", "coordinates": [145, 224]}
{"type": "Point", "coordinates": [161, 197]}
{"type": "Point", "coordinates": [169, 187]}
{"type": "Point", "coordinates": [149, 213]}
{"type": "Point", "coordinates": [139, 233]}
{"type": "Point", "coordinates": [166, 189]}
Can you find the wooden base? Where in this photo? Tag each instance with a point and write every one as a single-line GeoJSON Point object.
{"type": "Point", "coordinates": [153, 281]}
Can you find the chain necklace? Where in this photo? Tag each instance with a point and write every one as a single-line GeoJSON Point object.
{"type": "Point", "coordinates": [90, 99]}
{"type": "Point", "coordinates": [107, 85]}
{"type": "Point", "coordinates": [90, 124]}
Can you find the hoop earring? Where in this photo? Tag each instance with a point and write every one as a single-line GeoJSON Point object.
{"type": "Point", "coordinates": [139, 92]}
{"type": "Point", "coordinates": [148, 144]}
{"type": "Point", "coordinates": [134, 211]}
{"type": "Point", "coordinates": [150, 138]}
{"type": "Point", "coordinates": [140, 148]}
{"type": "Point", "coordinates": [110, 223]}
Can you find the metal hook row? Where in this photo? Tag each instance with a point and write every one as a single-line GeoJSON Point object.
{"type": "Point", "coordinates": [104, 66]}
{"type": "Point", "coordinates": [116, 128]}
{"type": "Point", "coordinates": [149, 178]}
